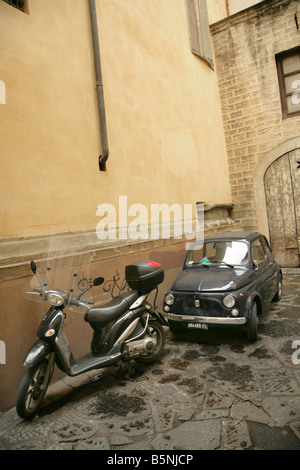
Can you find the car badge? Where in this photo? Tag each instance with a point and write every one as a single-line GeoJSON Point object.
{"type": "Point", "coordinates": [197, 303]}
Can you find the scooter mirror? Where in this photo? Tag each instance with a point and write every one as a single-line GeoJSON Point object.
{"type": "Point", "coordinates": [98, 281]}
{"type": "Point", "coordinates": [33, 267]}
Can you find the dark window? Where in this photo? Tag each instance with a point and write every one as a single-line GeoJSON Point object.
{"type": "Point", "coordinates": [266, 248]}
{"type": "Point", "coordinates": [288, 67]}
{"type": "Point", "coordinates": [199, 32]}
{"type": "Point", "coordinates": [258, 251]}
{"type": "Point", "coordinates": [19, 4]}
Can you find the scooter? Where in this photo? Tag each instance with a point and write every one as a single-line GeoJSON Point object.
{"type": "Point", "coordinates": [125, 328]}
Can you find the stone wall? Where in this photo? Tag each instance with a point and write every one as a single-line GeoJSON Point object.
{"type": "Point", "coordinates": [245, 46]}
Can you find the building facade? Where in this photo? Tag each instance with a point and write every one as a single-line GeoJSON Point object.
{"type": "Point", "coordinates": [257, 59]}
{"type": "Point", "coordinates": [151, 112]}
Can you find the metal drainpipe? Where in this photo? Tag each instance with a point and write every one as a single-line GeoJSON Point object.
{"type": "Point", "coordinates": [227, 7]}
{"type": "Point", "coordinates": [99, 86]}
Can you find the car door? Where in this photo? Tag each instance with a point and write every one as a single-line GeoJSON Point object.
{"type": "Point", "coordinates": [263, 271]}
{"type": "Point", "coordinates": [272, 266]}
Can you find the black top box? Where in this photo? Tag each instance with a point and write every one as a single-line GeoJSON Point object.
{"type": "Point", "coordinates": [144, 276]}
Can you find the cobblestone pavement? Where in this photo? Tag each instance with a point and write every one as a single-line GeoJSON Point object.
{"type": "Point", "coordinates": [211, 390]}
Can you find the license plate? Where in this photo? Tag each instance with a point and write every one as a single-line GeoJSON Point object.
{"type": "Point", "coordinates": [198, 326]}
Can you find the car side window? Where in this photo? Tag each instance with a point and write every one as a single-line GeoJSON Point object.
{"type": "Point", "coordinates": [258, 252]}
{"type": "Point", "coordinates": [267, 248]}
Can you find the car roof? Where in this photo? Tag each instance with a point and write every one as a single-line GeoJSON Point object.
{"type": "Point", "coordinates": [238, 235]}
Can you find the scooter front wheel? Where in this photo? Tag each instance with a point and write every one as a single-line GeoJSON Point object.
{"type": "Point", "coordinates": [156, 330]}
{"type": "Point", "coordinates": [32, 389]}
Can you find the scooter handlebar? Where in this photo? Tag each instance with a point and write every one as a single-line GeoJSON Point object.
{"type": "Point", "coordinates": [67, 298]}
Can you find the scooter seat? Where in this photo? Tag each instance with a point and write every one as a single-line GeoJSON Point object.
{"type": "Point", "coordinates": [113, 310]}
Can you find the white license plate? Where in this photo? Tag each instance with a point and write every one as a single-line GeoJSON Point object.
{"type": "Point", "coordinates": [198, 326]}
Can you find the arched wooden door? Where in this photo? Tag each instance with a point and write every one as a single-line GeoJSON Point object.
{"type": "Point", "coordinates": [282, 187]}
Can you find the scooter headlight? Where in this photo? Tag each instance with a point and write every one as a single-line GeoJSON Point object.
{"type": "Point", "coordinates": [55, 300]}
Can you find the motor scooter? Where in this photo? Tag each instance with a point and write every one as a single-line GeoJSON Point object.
{"type": "Point", "coordinates": [127, 327]}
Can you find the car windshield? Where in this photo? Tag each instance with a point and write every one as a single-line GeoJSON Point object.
{"type": "Point", "coordinates": [232, 253]}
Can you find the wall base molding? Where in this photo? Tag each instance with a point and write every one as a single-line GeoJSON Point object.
{"type": "Point", "coordinates": [77, 248]}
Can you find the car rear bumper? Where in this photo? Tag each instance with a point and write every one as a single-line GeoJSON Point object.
{"type": "Point", "coordinates": [208, 320]}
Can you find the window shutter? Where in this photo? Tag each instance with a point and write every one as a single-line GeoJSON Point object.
{"type": "Point", "coordinates": [200, 40]}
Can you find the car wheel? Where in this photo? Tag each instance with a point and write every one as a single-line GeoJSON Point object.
{"type": "Point", "coordinates": [278, 294]}
{"type": "Point", "coordinates": [252, 323]}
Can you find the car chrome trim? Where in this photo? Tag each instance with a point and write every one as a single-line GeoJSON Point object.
{"type": "Point", "coordinates": [212, 320]}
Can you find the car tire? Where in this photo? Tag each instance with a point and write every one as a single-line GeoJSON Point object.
{"type": "Point", "coordinates": [278, 294]}
{"type": "Point", "coordinates": [252, 323]}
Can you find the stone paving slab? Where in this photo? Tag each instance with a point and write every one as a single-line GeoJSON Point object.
{"type": "Point", "coordinates": [211, 390]}
{"type": "Point", "coordinates": [193, 435]}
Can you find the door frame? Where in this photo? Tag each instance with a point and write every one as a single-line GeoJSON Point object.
{"type": "Point", "coordinates": [259, 184]}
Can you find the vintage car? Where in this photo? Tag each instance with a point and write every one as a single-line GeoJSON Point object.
{"type": "Point", "coordinates": [228, 280]}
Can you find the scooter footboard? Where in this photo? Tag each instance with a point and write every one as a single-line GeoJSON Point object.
{"type": "Point", "coordinates": [37, 352]}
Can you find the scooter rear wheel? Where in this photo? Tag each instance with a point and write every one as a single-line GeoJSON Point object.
{"type": "Point", "coordinates": [32, 390]}
{"type": "Point", "coordinates": [156, 330]}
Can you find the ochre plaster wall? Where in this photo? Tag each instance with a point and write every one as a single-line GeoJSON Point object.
{"type": "Point", "coordinates": [163, 114]}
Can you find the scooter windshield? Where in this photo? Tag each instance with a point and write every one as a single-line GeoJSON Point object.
{"type": "Point", "coordinates": [70, 276]}
{"type": "Point", "coordinates": [65, 286]}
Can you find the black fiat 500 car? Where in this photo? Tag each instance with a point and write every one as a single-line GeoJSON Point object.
{"type": "Point", "coordinates": [227, 280]}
